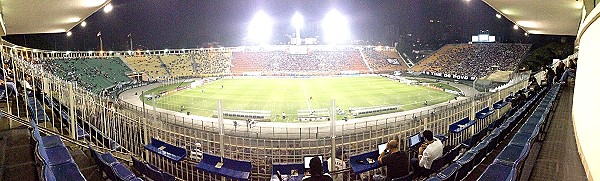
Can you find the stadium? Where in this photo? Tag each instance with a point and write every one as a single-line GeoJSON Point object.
{"type": "Point", "coordinates": [261, 110]}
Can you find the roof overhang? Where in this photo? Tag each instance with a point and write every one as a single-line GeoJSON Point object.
{"type": "Point", "coordinates": [46, 16]}
{"type": "Point", "coordinates": [551, 17]}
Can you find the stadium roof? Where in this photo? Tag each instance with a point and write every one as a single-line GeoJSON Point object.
{"type": "Point", "coordinates": [45, 16]}
{"type": "Point", "coordinates": [552, 17]}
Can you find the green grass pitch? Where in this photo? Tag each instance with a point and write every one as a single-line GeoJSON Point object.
{"type": "Point", "coordinates": [291, 94]}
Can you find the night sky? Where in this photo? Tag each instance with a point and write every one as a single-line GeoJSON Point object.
{"type": "Point", "coordinates": [161, 24]}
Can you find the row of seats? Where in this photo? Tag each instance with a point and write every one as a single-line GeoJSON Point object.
{"type": "Point", "coordinates": [110, 166]}
{"type": "Point", "coordinates": [507, 164]}
{"type": "Point", "coordinates": [150, 171]}
{"type": "Point", "coordinates": [81, 134]}
{"type": "Point", "coordinates": [55, 158]}
{"type": "Point", "coordinates": [481, 144]}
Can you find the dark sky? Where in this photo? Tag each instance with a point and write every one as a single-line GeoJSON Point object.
{"type": "Point", "coordinates": [160, 24]}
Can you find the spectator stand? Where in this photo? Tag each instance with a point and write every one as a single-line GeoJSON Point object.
{"type": "Point", "coordinates": [56, 160]}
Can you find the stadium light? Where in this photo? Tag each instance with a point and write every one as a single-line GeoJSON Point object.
{"type": "Point", "coordinates": [298, 22]}
{"type": "Point", "coordinates": [498, 16]}
{"type": "Point", "coordinates": [108, 8]}
{"type": "Point", "coordinates": [260, 28]}
{"type": "Point", "coordinates": [83, 24]}
{"type": "Point", "coordinates": [335, 27]}
{"type": "Point", "coordinates": [515, 27]}
{"type": "Point", "coordinates": [69, 33]}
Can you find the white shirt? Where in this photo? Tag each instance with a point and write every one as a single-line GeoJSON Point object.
{"type": "Point", "coordinates": [432, 152]}
{"type": "Point", "coordinates": [339, 165]}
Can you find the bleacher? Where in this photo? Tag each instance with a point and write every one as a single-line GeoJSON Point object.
{"type": "Point", "coordinates": [212, 62]}
{"type": "Point", "coordinates": [473, 60]}
{"type": "Point", "coordinates": [283, 63]}
{"type": "Point", "coordinates": [179, 65]}
{"type": "Point", "coordinates": [384, 61]}
{"type": "Point", "coordinates": [150, 65]}
{"type": "Point", "coordinates": [508, 164]}
{"type": "Point", "coordinates": [93, 74]}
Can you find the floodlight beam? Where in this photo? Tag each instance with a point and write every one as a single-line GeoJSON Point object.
{"type": "Point", "coordinates": [260, 28]}
{"type": "Point", "coordinates": [335, 27]}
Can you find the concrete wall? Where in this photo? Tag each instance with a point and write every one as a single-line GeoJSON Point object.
{"type": "Point", "coordinates": [586, 100]}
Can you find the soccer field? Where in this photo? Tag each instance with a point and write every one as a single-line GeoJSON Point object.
{"type": "Point", "coordinates": [292, 94]}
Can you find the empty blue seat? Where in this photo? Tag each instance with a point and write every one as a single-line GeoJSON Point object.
{"type": "Point", "coordinates": [449, 173]}
{"type": "Point", "coordinates": [67, 171]}
{"type": "Point", "coordinates": [466, 164]}
{"type": "Point", "coordinates": [511, 154]}
{"type": "Point", "coordinates": [121, 172]}
{"type": "Point", "coordinates": [497, 172]}
{"type": "Point", "coordinates": [150, 171]}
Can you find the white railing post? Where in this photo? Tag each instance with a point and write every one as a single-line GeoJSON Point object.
{"type": "Point", "coordinates": [73, 119]}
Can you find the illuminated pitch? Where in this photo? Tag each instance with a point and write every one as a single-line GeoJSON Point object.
{"type": "Point", "coordinates": [289, 95]}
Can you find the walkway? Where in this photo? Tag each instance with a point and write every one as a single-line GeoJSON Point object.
{"type": "Point", "coordinates": [558, 158]}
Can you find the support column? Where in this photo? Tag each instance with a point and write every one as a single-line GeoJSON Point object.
{"type": "Point", "coordinates": [73, 119]}
{"type": "Point", "coordinates": [332, 129]}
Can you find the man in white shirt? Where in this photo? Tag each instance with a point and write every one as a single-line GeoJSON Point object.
{"type": "Point", "coordinates": [431, 149]}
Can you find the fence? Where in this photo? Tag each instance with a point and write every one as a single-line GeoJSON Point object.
{"type": "Point", "coordinates": [131, 127]}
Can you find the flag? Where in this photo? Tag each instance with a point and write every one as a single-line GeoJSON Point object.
{"type": "Point", "coordinates": [129, 35]}
{"type": "Point", "coordinates": [99, 33]}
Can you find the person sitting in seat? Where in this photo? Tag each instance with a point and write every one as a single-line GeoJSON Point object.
{"type": "Point", "coordinates": [8, 82]}
{"type": "Point", "coordinates": [431, 149]}
{"type": "Point", "coordinates": [316, 171]}
{"type": "Point", "coordinates": [395, 160]}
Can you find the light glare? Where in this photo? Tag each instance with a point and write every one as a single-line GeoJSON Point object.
{"type": "Point", "coordinates": [335, 27]}
{"type": "Point", "coordinates": [298, 20]}
{"type": "Point", "coordinates": [260, 28]}
{"type": "Point", "coordinates": [69, 33]}
{"type": "Point", "coordinates": [498, 16]}
{"type": "Point", "coordinates": [108, 8]}
{"type": "Point", "coordinates": [83, 24]}
{"type": "Point", "coordinates": [515, 27]}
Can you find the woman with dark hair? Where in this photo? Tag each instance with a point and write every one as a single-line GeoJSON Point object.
{"type": "Point", "coordinates": [316, 171]}
{"type": "Point", "coordinates": [560, 69]}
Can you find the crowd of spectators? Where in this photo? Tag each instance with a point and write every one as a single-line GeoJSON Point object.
{"type": "Point", "coordinates": [315, 62]}
{"type": "Point", "coordinates": [474, 60]}
{"type": "Point", "coordinates": [382, 61]}
{"type": "Point", "coordinates": [179, 65]}
{"type": "Point", "coordinates": [211, 62]}
{"type": "Point", "coordinates": [92, 74]}
{"type": "Point", "coordinates": [151, 65]}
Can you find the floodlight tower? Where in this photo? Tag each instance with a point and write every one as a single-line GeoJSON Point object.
{"type": "Point", "coordinates": [298, 22]}
{"type": "Point", "coordinates": [260, 28]}
{"type": "Point", "coordinates": [335, 27]}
